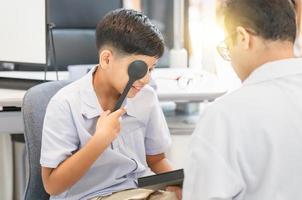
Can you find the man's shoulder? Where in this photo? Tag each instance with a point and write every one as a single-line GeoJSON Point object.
{"type": "Point", "coordinates": [240, 100]}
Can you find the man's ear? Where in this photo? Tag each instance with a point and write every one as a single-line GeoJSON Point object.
{"type": "Point", "coordinates": [243, 37]}
{"type": "Point", "coordinates": [105, 58]}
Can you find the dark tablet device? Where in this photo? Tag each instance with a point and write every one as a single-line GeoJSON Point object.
{"type": "Point", "coordinates": [161, 181]}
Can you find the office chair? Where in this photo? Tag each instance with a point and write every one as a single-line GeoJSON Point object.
{"type": "Point", "coordinates": [34, 106]}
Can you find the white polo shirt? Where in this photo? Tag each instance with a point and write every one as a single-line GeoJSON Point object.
{"type": "Point", "coordinates": [70, 122]}
{"type": "Point", "coordinates": [248, 144]}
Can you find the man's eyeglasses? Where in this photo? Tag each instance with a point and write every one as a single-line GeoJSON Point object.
{"type": "Point", "coordinates": [223, 48]}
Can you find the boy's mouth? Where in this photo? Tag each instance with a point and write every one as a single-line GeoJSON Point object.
{"type": "Point", "coordinates": [137, 88]}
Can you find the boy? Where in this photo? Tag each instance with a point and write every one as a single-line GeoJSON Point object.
{"type": "Point", "coordinates": [87, 151]}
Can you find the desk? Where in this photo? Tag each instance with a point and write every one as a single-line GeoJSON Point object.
{"type": "Point", "coordinates": [11, 121]}
{"type": "Point", "coordinates": [204, 87]}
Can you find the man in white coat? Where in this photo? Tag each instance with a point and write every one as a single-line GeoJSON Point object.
{"type": "Point", "coordinates": [248, 144]}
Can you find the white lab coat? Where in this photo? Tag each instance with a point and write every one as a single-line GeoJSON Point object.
{"type": "Point", "coordinates": [248, 144]}
{"type": "Point", "coordinates": [298, 46]}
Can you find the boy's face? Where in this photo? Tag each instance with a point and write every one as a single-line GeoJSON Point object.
{"type": "Point", "coordinates": [116, 70]}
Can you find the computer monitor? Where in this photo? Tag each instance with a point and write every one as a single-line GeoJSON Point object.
{"type": "Point", "coordinates": [162, 14]}
{"type": "Point", "coordinates": [23, 31]}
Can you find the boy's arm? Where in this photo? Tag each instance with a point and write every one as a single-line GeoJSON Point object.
{"type": "Point", "coordinates": [159, 163]}
{"type": "Point", "coordinates": [58, 180]}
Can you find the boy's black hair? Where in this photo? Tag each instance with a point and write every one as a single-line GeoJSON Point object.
{"type": "Point", "coordinates": [130, 32]}
{"type": "Point", "coordinates": [270, 19]}
{"type": "Point", "coordinates": [294, 3]}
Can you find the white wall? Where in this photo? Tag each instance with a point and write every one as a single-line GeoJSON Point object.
{"type": "Point", "coordinates": [23, 31]}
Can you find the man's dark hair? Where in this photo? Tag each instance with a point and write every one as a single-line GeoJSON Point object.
{"type": "Point", "coordinates": [130, 32]}
{"type": "Point", "coordinates": [270, 19]}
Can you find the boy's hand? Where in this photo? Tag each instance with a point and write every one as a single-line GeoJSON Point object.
{"type": "Point", "coordinates": [177, 190]}
{"type": "Point", "coordinates": [109, 124]}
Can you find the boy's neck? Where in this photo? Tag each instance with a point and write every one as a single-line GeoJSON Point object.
{"type": "Point", "coordinates": [106, 94]}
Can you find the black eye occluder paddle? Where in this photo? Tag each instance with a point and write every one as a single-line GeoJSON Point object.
{"type": "Point", "coordinates": [136, 70]}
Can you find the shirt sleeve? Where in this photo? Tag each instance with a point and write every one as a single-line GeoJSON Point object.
{"type": "Point", "coordinates": [211, 170]}
{"type": "Point", "coordinates": [59, 136]}
{"type": "Point", "coordinates": [157, 138]}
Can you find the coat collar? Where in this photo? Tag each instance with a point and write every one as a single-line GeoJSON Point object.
{"type": "Point", "coordinates": [275, 69]}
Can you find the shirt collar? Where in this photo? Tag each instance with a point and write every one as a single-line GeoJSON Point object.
{"type": "Point", "coordinates": [91, 107]}
{"type": "Point", "coordinates": [275, 69]}
{"type": "Point", "coordinates": [90, 104]}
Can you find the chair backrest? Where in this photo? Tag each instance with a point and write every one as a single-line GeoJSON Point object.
{"type": "Point", "coordinates": [34, 106]}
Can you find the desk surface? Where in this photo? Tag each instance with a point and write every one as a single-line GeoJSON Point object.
{"type": "Point", "coordinates": [35, 75]}
{"type": "Point", "coordinates": [11, 122]}
{"type": "Point", "coordinates": [10, 97]}
{"type": "Point", "coordinates": [204, 86]}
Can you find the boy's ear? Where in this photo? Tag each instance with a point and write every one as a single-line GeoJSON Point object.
{"type": "Point", "coordinates": [105, 58]}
